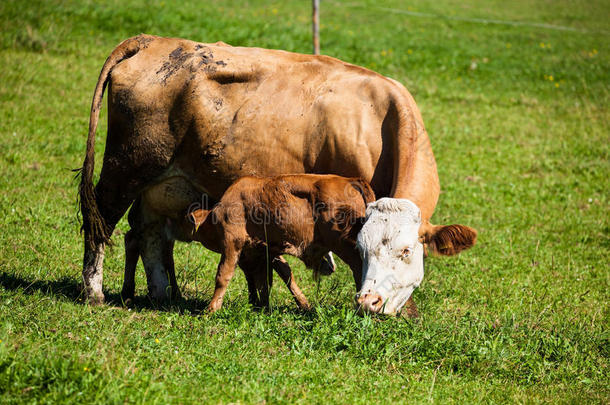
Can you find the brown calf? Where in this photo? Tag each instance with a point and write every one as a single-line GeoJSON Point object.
{"type": "Point", "coordinates": [260, 218]}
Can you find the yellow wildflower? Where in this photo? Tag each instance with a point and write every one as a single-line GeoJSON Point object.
{"type": "Point", "coordinates": [551, 78]}
{"type": "Point", "coordinates": [86, 369]}
{"type": "Point", "coordinates": [409, 51]}
{"type": "Point", "coordinates": [383, 53]}
{"type": "Point", "coordinates": [542, 44]}
{"type": "Point", "coordinates": [156, 340]}
{"type": "Point", "coordinates": [274, 11]}
{"type": "Point", "coordinates": [556, 84]}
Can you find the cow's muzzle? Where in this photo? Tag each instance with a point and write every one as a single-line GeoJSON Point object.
{"type": "Point", "coordinates": [369, 303]}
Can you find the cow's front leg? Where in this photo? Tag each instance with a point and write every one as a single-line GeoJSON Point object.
{"type": "Point", "coordinates": [224, 274]}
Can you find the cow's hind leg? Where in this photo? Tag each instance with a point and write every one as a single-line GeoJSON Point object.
{"type": "Point", "coordinates": [118, 187]}
{"type": "Point", "coordinates": [132, 254]}
{"type": "Point", "coordinates": [112, 205]}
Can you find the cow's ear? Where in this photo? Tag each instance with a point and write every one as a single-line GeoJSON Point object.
{"type": "Point", "coordinates": [198, 217]}
{"type": "Point", "coordinates": [450, 240]}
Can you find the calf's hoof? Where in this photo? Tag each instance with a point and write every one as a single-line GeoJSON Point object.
{"type": "Point", "coordinates": [305, 307]}
{"type": "Point", "coordinates": [213, 307]}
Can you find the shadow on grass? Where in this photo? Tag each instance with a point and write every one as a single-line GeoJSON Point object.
{"type": "Point", "coordinates": [68, 289]}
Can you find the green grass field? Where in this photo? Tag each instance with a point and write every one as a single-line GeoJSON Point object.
{"type": "Point", "coordinates": [519, 122]}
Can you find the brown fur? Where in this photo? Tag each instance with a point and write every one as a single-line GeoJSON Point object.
{"type": "Point", "coordinates": [303, 215]}
{"type": "Point", "coordinates": [450, 240]}
{"type": "Point", "coordinates": [211, 113]}
{"type": "Point", "coordinates": [94, 223]}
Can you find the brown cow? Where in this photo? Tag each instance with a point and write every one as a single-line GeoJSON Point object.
{"type": "Point", "coordinates": [264, 217]}
{"type": "Point", "coordinates": [207, 114]}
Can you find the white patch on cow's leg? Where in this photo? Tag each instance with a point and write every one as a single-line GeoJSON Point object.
{"type": "Point", "coordinates": [158, 284]}
{"type": "Point", "coordinates": [151, 249]}
{"type": "Point", "coordinates": [93, 271]}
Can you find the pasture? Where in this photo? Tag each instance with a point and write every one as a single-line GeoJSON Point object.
{"type": "Point", "coordinates": [519, 123]}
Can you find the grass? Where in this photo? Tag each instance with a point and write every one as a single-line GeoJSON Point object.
{"type": "Point", "coordinates": [518, 119]}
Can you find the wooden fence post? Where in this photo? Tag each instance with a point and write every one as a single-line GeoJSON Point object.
{"type": "Point", "coordinates": [316, 26]}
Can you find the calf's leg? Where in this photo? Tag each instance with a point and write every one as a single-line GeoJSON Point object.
{"type": "Point", "coordinates": [224, 274]}
{"type": "Point", "coordinates": [250, 263]}
{"type": "Point", "coordinates": [283, 269]}
{"type": "Point", "coordinates": [259, 277]}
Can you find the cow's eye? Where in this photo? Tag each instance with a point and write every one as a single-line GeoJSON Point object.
{"type": "Point", "coordinates": [406, 252]}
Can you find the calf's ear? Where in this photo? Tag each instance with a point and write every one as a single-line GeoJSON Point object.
{"type": "Point", "coordinates": [198, 217]}
{"type": "Point", "coordinates": [449, 240]}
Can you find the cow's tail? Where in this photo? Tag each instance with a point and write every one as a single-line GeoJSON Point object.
{"type": "Point", "coordinates": [415, 174]}
{"type": "Point", "coordinates": [94, 224]}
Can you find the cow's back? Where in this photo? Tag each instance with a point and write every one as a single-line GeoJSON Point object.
{"type": "Point", "coordinates": [225, 112]}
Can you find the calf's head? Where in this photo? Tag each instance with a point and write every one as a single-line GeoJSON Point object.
{"type": "Point", "coordinates": [392, 251]}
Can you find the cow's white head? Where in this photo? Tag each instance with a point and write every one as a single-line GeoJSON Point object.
{"type": "Point", "coordinates": [393, 254]}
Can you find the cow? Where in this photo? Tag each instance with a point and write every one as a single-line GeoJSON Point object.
{"type": "Point", "coordinates": [258, 219]}
{"type": "Point", "coordinates": [208, 114]}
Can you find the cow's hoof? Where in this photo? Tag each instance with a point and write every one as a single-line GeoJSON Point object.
{"type": "Point", "coordinates": [409, 310]}
{"type": "Point", "coordinates": [88, 295]}
{"type": "Point", "coordinates": [96, 299]}
{"type": "Point", "coordinates": [127, 301]}
{"type": "Point", "coordinates": [176, 295]}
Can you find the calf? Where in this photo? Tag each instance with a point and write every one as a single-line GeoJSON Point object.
{"type": "Point", "coordinates": [260, 218]}
{"type": "Point", "coordinates": [181, 228]}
